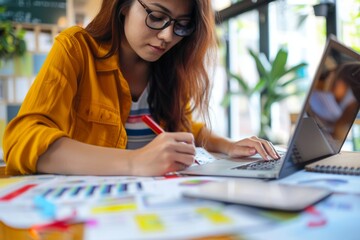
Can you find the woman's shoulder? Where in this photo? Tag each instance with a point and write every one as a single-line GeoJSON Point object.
{"type": "Point", "coordinates": [74, 31]}
{"type": "Point", "coordinates": [78, 37]}
{"type": "Point", "coordinates": [77, 40]}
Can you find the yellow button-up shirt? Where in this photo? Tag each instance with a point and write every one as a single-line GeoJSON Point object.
{"type": "Point", "coordinates": [74, 95]}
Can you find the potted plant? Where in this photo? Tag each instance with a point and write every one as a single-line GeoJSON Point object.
{"type": "Point", "coordinates": [276, 82]}
{"type": "Point", "coordinates": [12, 41]}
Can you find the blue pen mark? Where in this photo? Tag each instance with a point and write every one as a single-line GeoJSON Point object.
{"type": "Point", "coordinates": [122, 187]}
{"type": "Point", "coordinates": [106, 189]}
{"type": "Point", "coordinates": [91, 190]}
{"type": "Point", "coordinates": [61, 192]}
{"type": "Point", "coordinates": [47, 192]}
{"type": "Point", "coordinates": [76, 191]}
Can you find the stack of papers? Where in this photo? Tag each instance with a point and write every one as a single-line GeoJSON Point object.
{"type": "Point", "coordinates": [130, 207]}
{"type": "Point", "coordinates": [153, 208]}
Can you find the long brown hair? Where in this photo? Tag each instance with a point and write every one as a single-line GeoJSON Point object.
{"type": "Point", "coordinates": [179, 83]}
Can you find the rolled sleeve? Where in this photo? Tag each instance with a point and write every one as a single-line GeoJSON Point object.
{"type": "Point", "coordinates": [45, 114]}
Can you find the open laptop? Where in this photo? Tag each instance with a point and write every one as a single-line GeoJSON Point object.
{"type": "Point", "coordinates": [322, 126]}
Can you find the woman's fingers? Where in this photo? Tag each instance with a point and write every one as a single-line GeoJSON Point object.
{"type": "Point", "coordinates": [267, 148]}
{"type": "Point", "coordinates": [179, 147]}
{"type": "Point", "coordinates": [251, 146]}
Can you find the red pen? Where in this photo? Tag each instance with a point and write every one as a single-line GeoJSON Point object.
{"type": "Point", "coordinates": [152, 124]}
{"type": "Point", "coordinates": [155, 127]}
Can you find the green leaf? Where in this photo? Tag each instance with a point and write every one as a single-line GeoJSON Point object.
{"type": "Point", "coordinates": [296, 68]}
{"type": "Point", "coordinates": [226, 100]}
{"type": "Point", "coordinates": [290, 81]}
{"type": "Point", "coordinates": [21, 34]}
{"type": "Point", "coordinates": [242, 83]}
{"type": "Point", "coordinates": [262, 64]}
{"type": "Point", "coordinates": [259, 87]}
{"type": "Point", "coordinates": [278, 65]}
{"type": "Point", "coordinates": [11, 41]}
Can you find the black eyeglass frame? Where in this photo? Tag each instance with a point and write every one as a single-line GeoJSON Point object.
{"type": "Point", "coordinates": [355, 73]}
{"type": "Point", "coordinates": [167, 23]}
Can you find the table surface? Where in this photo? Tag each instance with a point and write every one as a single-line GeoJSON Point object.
{"type": "Point", "coordinates": [77, 231]}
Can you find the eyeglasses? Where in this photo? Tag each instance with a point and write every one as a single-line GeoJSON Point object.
{"type": "Point", "coordinates": [159, 20]}
{"type": "Point", "coordinates": [356, 72]}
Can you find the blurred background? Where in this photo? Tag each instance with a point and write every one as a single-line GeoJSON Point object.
{"type": "Point", "coordinates": [286, 33]}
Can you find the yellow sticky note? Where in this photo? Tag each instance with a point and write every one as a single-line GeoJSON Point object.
{"type": "Point", "coordinates": [149, 223]}
{"type": "Point", "coordinates": [215, 216]}
{"type": "Point", "coordinates": [113, 208]}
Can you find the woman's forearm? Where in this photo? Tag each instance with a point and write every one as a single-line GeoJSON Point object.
{"type": "Point", "coordinates": [67, 156]}
{"type": "Point", "coordinates": [213, 142]}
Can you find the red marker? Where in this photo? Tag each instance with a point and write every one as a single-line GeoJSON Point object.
{"type": "Point", "coordinates": [152, 124]}
{"type": "Point", "coordinates": [155, 127]}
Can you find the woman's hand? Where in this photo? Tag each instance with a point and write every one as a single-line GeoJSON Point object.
{"type": "Point", "coordinates": [251, 146]}
{"type": "Point", "coordinates": [168, 152]}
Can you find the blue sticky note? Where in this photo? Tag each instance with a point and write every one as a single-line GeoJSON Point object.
{"type": "Point", "coordinates": [47, 208]}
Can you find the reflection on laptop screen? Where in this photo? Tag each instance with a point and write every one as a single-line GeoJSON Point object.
{"type": "Point", "coordinates": [331, 107]}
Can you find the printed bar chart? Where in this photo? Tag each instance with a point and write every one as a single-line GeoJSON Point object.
{"type": "Point", "coordinates": [91, 191]}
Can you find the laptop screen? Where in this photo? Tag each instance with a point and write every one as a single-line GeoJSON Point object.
{"type": "Point", "coordinates": [331, 106]}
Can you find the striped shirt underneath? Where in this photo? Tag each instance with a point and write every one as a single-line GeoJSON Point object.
{"type": "Point", "coordinates": [139, 134]}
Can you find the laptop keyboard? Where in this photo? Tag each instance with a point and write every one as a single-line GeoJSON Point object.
{"type": "Point", "coordinates": [260, 165]}
{"type": "Point", "coordinates": [203, 157]}
{"type": "Point", "coordinates": [263, 164]}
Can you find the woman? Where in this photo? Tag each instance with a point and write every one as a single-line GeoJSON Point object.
{"type": "Point", "coordinates": [137, 57]}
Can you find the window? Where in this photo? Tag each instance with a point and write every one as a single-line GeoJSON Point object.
{"type": "Point", "coordinates": [291, 23]}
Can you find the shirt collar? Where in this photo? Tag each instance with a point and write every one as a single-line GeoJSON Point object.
{"type": "Point", "coordinates": [107, 64]}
